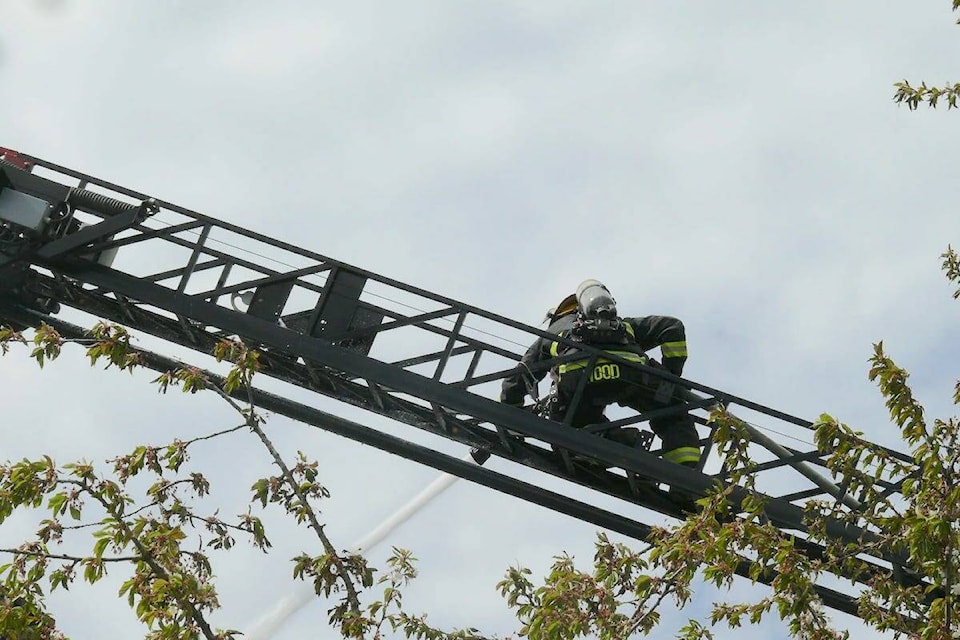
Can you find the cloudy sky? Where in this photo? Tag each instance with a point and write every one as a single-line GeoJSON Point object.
{"type": "Point", "coordinates": [739, 165]}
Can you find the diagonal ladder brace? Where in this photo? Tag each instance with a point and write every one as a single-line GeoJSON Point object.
{"type": "Point", "coordinates": [804, 468]}
{"type": "Point", "coordinates": [124, 220]}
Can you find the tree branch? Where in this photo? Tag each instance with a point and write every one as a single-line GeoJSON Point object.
{"type": "Point", "coordinates": [151, 562]}
{"type": "Point", "coordinates": [353, 598]}
{"type": "Point", "coordinates": [69, 558]}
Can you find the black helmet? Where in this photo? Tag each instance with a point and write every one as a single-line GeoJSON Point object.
{"type": "Point", "coordinates": [594, 300]}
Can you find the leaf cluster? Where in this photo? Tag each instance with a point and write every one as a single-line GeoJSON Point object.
{"type": "Point", "coordinates": [914, 96]}
{"type": "Point", "coordinates": [908, 513]}
{"type": "Point", "coordinates": [158, 534]}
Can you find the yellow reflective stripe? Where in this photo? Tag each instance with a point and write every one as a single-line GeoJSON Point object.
{"type": "Point", "coordinates": [629, 329]}
{"type": "Point", "coordinates": [571, 366]}
{"type": "Point", "coordinates": [681, 455]}
{"type": "Point", "coordinates": [555, 346]}
{"type": "Point", "coordinates": [674, 349]}
{"type": "Point", "coordinates": [626, 355]}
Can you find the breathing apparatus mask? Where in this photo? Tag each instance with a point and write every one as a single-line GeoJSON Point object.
{"type": "Point", "coordinates": [594, 301]}
{"type": "Point", "coordinates": [597, 321]}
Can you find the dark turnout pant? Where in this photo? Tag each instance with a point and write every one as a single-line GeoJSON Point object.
{"type": "Point", "coordinates": [628, 388]}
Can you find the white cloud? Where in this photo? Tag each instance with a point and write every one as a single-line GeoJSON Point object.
{"type": "Point", "coordinates": [743, 169]}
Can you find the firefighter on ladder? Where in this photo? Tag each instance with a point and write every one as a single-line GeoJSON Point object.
{"type": "Point", "coordinates": [590, 316]}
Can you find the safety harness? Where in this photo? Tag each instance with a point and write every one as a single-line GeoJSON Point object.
{"type": "Point", "coordinates": [605, 333]}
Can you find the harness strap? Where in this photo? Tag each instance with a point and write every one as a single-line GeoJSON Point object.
{"type": "Point", "coordinates": [580, 364]}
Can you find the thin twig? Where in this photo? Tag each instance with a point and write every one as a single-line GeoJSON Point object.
{"type": "Point", "coordinates": [60, 556]}
{"type": "Point", "coordinates": [353, 598]}
{"type": "Point", "coordinates": [155, 566]}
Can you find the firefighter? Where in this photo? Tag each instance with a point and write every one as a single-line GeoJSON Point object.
{"type": "Point", "coordinates": [590, 316]}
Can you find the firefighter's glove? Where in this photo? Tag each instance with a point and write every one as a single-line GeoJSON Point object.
{"type": "Point", "coordinates": [513, 403]}
{"type": "Point", "coordinates": [512, 399]}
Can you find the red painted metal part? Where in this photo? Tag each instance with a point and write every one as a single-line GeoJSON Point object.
{"type": "Point", "coordinates": [13, 157]}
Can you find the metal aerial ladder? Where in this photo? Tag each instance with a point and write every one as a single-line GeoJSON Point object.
{"type": "Point", "coordinates": [68, 239]}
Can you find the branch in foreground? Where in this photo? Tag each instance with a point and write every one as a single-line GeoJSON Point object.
{"type": "Point", "coordinates": [69, 558]}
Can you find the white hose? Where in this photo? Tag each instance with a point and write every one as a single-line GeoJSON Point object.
{"type": "Point", "coordinates": [271, 621]}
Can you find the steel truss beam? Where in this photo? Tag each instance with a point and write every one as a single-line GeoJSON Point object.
{"type": "Point", "coordinates": [442, 462]}
{"type": "Point", "coordinates": [368, 340]}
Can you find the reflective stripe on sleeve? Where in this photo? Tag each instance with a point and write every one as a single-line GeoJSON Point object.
{"type": "Point", "coordinates": [674, 349]}
{"type": "Point", "coordinates": [682, 455]}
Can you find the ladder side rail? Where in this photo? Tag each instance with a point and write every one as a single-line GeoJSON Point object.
{"type": "Point", "coordinates": [505, 484]}
{"type": "Point", "coordinates": [373, 398]}
{"type": "Point", "coordinates": [188, 313]}
{"type": "Point", "coordinates": [461, 401]}
{"type": "Point", "coordinates": [688, 384]}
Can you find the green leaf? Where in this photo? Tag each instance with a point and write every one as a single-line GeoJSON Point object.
{"type": "Point", "coordinates": [100, 546]}
{"type": "Point", "coordinates": [57, 504]}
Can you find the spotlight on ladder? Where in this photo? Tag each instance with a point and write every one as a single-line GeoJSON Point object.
{"type": "Point", "coordinates": [245, 297]}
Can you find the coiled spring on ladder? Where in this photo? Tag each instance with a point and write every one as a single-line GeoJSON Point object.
{"type": "Point", "coordinates": [83, 199]}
